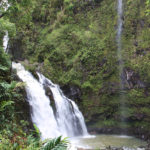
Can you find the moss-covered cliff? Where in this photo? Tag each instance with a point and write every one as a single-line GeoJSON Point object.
{"type": "Point", "coordinates": [74, 43]}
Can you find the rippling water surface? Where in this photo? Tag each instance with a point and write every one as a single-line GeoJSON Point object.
{"type": "Point", "coordinates": [103, 141]}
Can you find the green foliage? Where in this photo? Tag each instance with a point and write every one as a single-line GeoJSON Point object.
{"type": "Point", "coordinates": [19, 142]}
{"type": "Point", "coordinates": [5, 104]}
{"type": "Point", "coordinates": [56, 144]}
{"type": "Point", "coordinates": [147, 7]}
{"type": "Point", "coordinates": [37, 131]}
{"type": "Point", "coordinates": [5, 24]}
{"type": "Point", "coordinates": [31, 143]}
{"type": "Point", "coordinates": [73, 43]}
{"type": "Point", "coordinates": [3, 68]}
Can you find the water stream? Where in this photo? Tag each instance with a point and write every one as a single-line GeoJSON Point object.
{"type": "Point", "coordinates": [5, 42]}
{"type": "Point", "coordinates": [120, 61]}
{"type": "Point", "coordinates": [42, 113]}
{"type": "Point", "coordinates": [68, 121]}
{"type": "Point", "coordinates": [118, 38]}
{"type": "Point", "coordinates": [5, 5]}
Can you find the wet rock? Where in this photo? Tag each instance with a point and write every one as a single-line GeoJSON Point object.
{"type": "Point", "coordinates": [133, 79]}
{"type": "Point", "coordinates": [72, 92]}
{"type": "Point", "coordinates": [22, 106]}
{"type": "Point", "coordinates": [142, 23]}
{"type": "Point", "coordinates": [107, 148]}
{"type": "Point", "coordinates": [16, 48]}
{"type": "Point", "coordinates": [141, 52]}
{"type": "Point", "coordinates": [49, 93]}
{"type": "Point", "coordinates": [106, 130]}
{"type": "Point", "coordinates": [113, 148]}
{"type": "Point", "coordinates": [109, 88]}
{"type": "Point", "coordinates": [83, 149]}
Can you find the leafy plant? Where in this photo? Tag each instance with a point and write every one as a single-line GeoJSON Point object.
{"type": "Point", "coordinates": [37, 131]}
{"type": "Point", "coordinates": [5, 104]}
{"type": "Point", "coordinates": [147, 7]}
{"type": "Point", "coordinates": [56, 144]}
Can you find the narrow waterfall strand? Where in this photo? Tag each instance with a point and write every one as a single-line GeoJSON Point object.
{"type": "Point", "coordinates": [5, 41]}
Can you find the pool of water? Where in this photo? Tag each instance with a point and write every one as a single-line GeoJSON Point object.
{"type": "Point", "coordinates": [103, 141]}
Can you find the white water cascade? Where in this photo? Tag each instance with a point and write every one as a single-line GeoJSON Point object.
{"type": "Point", "coordinates": [121, 62]}
{"type": "Point", "coordinates": [120, 22]}
{"type": "Point", "coordinates": [118, 38]}
{"type": "Point", "coordinates": [5, 41]}
{"type": "Point", "coordinates": [5, 5]}
{"type": "Point", "coordinates": [68, 121]}
{"type": "Point", "coordinates": [42, 114]}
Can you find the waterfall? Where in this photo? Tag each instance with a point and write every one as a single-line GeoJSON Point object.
{"type": "Point", "coordinates": [118, 38]}
{"type": "Point", "coordinates": [42, 114]}
{"type": "Point", "coordinates": [119, 41]}
{"type": "Point", "coordinates": [5, 41]}
{"type": "Point", "coordinates": [121, 62]}
{"type": "Point", "coordinates": [68, 120]}
{"type": "Point", "coordinates": [5, 5]}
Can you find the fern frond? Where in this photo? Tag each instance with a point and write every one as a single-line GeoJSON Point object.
{"type": "Point", "coordinates": [3, 68]}
{"type": "Point", "coordinates": [5, 104]}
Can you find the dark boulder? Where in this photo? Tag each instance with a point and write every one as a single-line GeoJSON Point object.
{"type": "Point", "coordinates": [72, 92]}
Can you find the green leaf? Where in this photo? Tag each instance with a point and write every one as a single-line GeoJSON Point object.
{"type": "Point", "coordinates": [5, 104]}
{"type": "Point", "coordinates": [56, 144]}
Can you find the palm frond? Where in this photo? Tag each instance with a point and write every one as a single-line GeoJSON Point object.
{"type": "Point", "coordinates": [56, 144]}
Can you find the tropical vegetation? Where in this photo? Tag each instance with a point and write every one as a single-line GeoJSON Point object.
{"type": "Point", "coordinates": [74, 44]}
